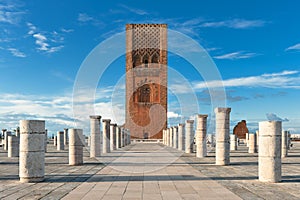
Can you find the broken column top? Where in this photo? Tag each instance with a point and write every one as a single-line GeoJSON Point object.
{"type": "Point", "coordinates": [106, 120]}
{"type": "Point", "coordinates": [202, 116]}
{"type": "Point", "coordinates": [95, 117]}
{"type": "Point", "coordinates": [227, 110]}
{"type": "Point", "coordinates": [190, 121]}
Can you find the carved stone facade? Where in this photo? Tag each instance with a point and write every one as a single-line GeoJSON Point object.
{"type": "Point", "coordinates": [241, 129]}
{"type": "Point", "coordinates": [146, 80]}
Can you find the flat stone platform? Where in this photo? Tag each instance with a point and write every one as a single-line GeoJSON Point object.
{"type": "Point", "coordinates": [151, 171]}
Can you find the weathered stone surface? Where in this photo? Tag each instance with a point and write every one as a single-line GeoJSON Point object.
{"type": "Point", "coordinates": [112, 138]}
{"type": "Point", "coordinates": [75, 147]}
{"type": "Point", "coordinates": [106, 136]}
{"type": "Point", "coordinates": [55, 141]}
{"type": "Point", "coordinates": [95, 137]}
{"type": "Point", "coordinates": [32, 150]}
{"type": "Point", "coordinates": [118, 137]}
{"type": "Point", "coordinates": [66, 138]}
{"type": "Point", "coordinates": [60, 141]}
{"type": "Point", "coordinates": [222, 136]}
{"type": "Point", "coordinates": [122, 137]}
{"type": "Point", "coordinates": [13, 146]}
{"type": "Point", "coordinates": [252, 143]}
{"type": "Point", "coordinates": [175, 137]}
{"type": "Point", "coordinates": [181, 137]}
{"type": "Point", "coordinates": [269, 162]}
{"type": "Point", "coordinates": [201, 132]}
{"type": "Point", "coordinates": [233, 142]}
{"type": "Point", "coordinates": [6, 135]}
{"type": "Point", "coordinates": [46, 140]}
{"type": "Point", "coordinates": [171, 137]}
{"type": "Point", "coordinates": [284, 144]}
{"type": "Point", "coordinates": [189, 136]}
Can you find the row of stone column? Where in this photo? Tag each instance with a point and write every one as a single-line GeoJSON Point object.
{"type": "Point", "coordinates": [113, 136]}
{"type": "Point", "coordinates": [11, 143]}
{"type": "Point", "coordinates": [273, 143]}
{"type": "Point", "coordinates": [252, 141]}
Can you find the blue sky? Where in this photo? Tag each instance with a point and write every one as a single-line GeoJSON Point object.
{"type": "Point", "coordinates": [254, 44]}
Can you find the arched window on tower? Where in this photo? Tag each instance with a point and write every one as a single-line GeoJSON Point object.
{"type": "Point", "coordinates": [146, 60]}
{"type": "Point", "coordinates": [136, 61]}
{"type": "Point", "coordinates": [144, 94]}
{"type": "Point", "coordinates": [155, 59]}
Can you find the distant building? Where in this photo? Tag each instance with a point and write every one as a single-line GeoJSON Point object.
{"type": "Point", "coordinates": [241, 129]}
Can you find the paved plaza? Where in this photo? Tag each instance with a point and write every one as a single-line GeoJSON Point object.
{"type": "Point", "coordinates": [151, 171]}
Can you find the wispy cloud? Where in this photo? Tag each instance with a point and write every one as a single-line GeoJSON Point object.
{"type": "Point", "coordinates": [294, 47]}
{"type": "Point", "coordinates": [16, 53]}
{"type": "Point", "coordinates": [236, 55]}
{"type": "Point", "coordinates": [10, 12]}
{"type": "Point", "coordinates": [274, 117]}
{"type": "Point", "coordinates": [45, 44]}
{"type": "Point", "coordinates": [274, 80]}
{"type": "Point", "coordinates": [235, 24]}
{"type": "Point", "coordinates": [134, 10]}
{"type": "Point", "coordinates": [83, 17]}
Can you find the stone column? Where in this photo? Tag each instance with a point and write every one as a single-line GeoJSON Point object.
{"type": "Point", "coordinates": [252, 143]}
{"type": "Point", "coordinates": [60, 141]}
{"type": "Point", "coordinates": [175, 137]}
{"type": "Point", "coordinates": [171, 137]}
{"type": "Point", "coordinates": [112, 137]}
{"type": "Point", "coordinates": [284, 144]}
{"type": "Point", "coordinates": [89, 141]}
{"type": "Point", "coordinates": [55, 141]}
{"type": "Point", "coordinates": [95, 137]}
{"type": "Point", "coordinates": [269, 159]}
{"type": "Point", "coordinates": [189, 136]}
{"type": "Point", "coordinates": [18, 132]}
{"type": "Point", "coordinates": [181, 134]}
{"type": "Point", "coordinates": [125, 137]}
{"type": "Point", "coordinates": [118, 137]}
{"type": "Point", "coordinates": [222, 136]}
{"type": "Point", "coordinates": [65, 136]}
{"type": "Point", "coordinates": [163, 136]}
{"type": "Point", "coordinates": [6, 134]}
{"type": "Point", "coordinates": [122, 137]}
{"type": "Point", "coordinates": [46, 140]}
{"type": "Point", "coordinates": [233, 142]}
{"type": "Point", "coordinates": [201, 131]}
{"type": "Point", "coordinates": [13, 146]}
{"type": "Point", "coordinates": [168, 137]}
{"type": "Point", "coordinates": [129, 137]}
{"type": "Point", "coordinates": [247, 139]}
{"type": "Point", "coordinates": [289, 140]}
{"type": "Point", "coordinates": [257, 137]}
{"type": "Point", "coordinates": [75, 147]}
{"type": "Point", "coordinates": [32, 151]}
{"type": "Point", "coordinates": [106, 135]}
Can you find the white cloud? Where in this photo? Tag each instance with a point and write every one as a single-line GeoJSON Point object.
{"type": "Point", "coordinates": [273, 80]}
{"type": "Point", "coordinates": [235, 23]}
{"type": "Point", "coordinates": [42, 41]}
{"type": "Point", "coordinates": [17, 53]}
{"type": "Point", "coordinates": [294, 47]}
{"type": "Point", "coordinates": [67, 30]}
{"type": "Point", "coordinates": [134, 10]}
{"type": "Point", "coordinates": [172, 114]}
{"type": "Point", "coordinates": [83, 17]}
{"type": "Point", "coordinates": [10, 13]}
{"type": "Point", "coordinates": [235, 55]}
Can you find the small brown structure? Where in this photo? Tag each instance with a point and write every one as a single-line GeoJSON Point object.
{"type": "Point", "coordinates": [241, 129]}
